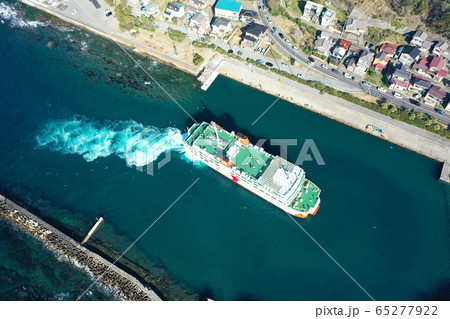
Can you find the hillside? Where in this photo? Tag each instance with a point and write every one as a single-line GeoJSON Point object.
{"type": "Point", "coordinates": [428, 15]}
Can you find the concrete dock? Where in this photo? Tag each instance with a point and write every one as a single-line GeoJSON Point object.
{"type": "Point", "coordinates": [445, 174]}
{"type": "Point", "coordinates": [122, 284]}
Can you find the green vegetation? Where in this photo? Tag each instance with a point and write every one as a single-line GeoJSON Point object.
{"type": "Point", "coordinates": [122, 13]}
{"type": "Point", "coordinates": [377, 36]}
{"type": "Point", "coordinates": [273, 54]}
{"type": "Point", "coordinates": [435, 14]}
{"type": "Point", "coordinates": [397, 25]}
{"type": "Point", "coordinates": [197, 59]}
{"type": "Point", "coordinates": [308, 33]}
{"type": "Point", "coordinates": [176, 35]}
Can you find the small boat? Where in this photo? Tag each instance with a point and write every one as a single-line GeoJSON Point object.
{"type": "Point", "coordinates": [147, 83]}
{"type": "Point", "coordinates": [373, 128]}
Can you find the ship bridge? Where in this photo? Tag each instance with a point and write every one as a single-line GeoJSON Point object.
{"type": "Point", "coordinates": [283, 178]}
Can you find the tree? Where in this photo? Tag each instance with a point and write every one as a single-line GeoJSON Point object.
{"type": "Point", "coordinates": [412, 116]}
{"type": "Point", "coordinates": [393, 109]}
{"type": "Point", "coordinates": [437, 127]}
{"type": "Point", "coordinates": [385, 105]}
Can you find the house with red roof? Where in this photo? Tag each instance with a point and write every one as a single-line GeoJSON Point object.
{"type": "Point", "coordinates": [389, 48]}
{"type": "Point", "coordinates": [433, 67]}
{"type": "Point", "coordinates": [399, 79]}
{"type": "Point", "coordinates": [435, 96]}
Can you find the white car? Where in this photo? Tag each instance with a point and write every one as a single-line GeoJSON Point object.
{"type": "Point", "coordinates": [417, 96]}
{"type": "Point", "coordinates": [348, 76]}
{"type": "Point", "coordinates": [311, 63]}
{"type": "Point", "coordinates": [324, 66]}
{"type": "Point", "coordinates": [300, 75]}
{"type": "Point", "coordinates": [398, 95]}
{"type": "Point", "coordinates": [74, 11]}
{"type": "Point", "coordinates": [366, 83]}
{"type": "Point", "coordinates": [381, 89]}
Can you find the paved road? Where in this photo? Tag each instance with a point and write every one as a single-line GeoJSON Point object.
{"type": "Point", "coordinates": [303, 58]}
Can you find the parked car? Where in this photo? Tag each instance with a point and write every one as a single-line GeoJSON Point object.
{"type": "Point", "coordinates": [324, 66]}
{"type": "Point", "coordinates": [417, 96]}
{"type": "Point", "coordinates": [259, 61]}
{"type": "Point", "coordinates": [439, 111]}
{"type": "Point", "coordinates": [311, 63]}
{"type": "Point", "coordinates": [381, 89]}
{"type": "Point", "coordinates": [398, 95]}
{"type": "Point", "coordinates": [281, 35]}
{"type": "Point", "coordinates": [240, 53]}
{"type": "Point", "coordinates": [269, 19]}
{"type": "Point", "coordinates": [355, 79]}
{"type": "Point", "coordinates": [287, 41]}
{"type": "Point", "coordinates": [415, 102]}
{"type": "Point", "coordinates": [282, 63]}
{"type": "Point", "coordinates": [294, 48]}
{"type": "Point", "coordinates": [74, 11]}
{"type": "Point", "coordinates": [269, 64]}
{"type": "Point", "coordinates": [300, 76]}
{"type": "Point", "coordinates": [348, 76]}
{"type": "Point", "coordinates": [311, 59]}
{"type": "Point", "coordinates": [335, 71]}
{"type": "Point", "coordinates": [230, 51]}
{"type": "Point", "coordinates": [108, 12]}
{"type": "Point", "coordinates": [275, 29]}
{"type": "Point", "coordinates": [366, 83]}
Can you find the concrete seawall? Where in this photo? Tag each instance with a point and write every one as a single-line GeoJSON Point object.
{"type": "Point", "coordinates": [123, 285]}
{"type": "Point", "coordinates": [394, 131]}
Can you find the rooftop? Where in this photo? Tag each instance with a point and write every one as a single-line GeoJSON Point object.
{"type": "Point", "coordinates": [437, 92]}
{"type": "Point", "coordinates": [229, 5]}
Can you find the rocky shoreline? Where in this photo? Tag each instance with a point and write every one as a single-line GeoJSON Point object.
{"type": "Point", "coordinates": [123, 285]}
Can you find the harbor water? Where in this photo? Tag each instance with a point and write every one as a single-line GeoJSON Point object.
{"type": "Point", "coordinates": [76, 118]}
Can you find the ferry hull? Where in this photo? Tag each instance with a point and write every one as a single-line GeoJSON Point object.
{"type": "Point", "coordinates": [225, 171]}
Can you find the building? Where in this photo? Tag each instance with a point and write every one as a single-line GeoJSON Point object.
{"type": "Point", "coordinates": [418, 38]}
{"type": "Point", "coordinates": [198, 3]}
{"type": "Point", "coordinates": [328, 17]}
{"type": "Point", "coordinates": [174, 10]}
{"type": "Point", "coordinates": [399, 79]}
{"type": "Point", "coordinates": [409, 55]}
{"type": "Point", "coordinates": [440, 48]}
{"type": "Point", "coordinates": [352, 63]}
{"type": "Point", "coordinates": [364, 62]}
{"type": "Point", "coordinates": [426, 46]}
{"type": "Point", "coordinates": [389, 48]}
{"type": "Point", "coordinates": [419, 85]}
{"type": "Point", "coordinates": [200, 23]}
{"type": "Point", "coordinates": [190, 11]}
{"type": "Point", "coordinates": [248, 16]}
{"type": "Point", "coordinates": [380, 56]}
{"type": "Point", "coordinates": [145, 8]}
{"type": "Point", "coordinates": [341, 48]}
{"type": "Point", "coordinates": [312, 11]}
{"type": "Point", "coordinates": [228, 9]}
{"type": "Point", "coordinates": [435, 96]}
{"type": "Point", "coordinates": [253, 34]}
{"type": "Point", "coordinates": [220, 26]}
{"type": "Point", "coordinates": [434, 67]}
{"type": "Point", "coordinates": [322, 45]}
{"type": "Point", "coordinates": [356, 27]}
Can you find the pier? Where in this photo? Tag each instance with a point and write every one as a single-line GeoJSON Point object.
{"type": "Point", "coordinates": [122, 284]}
{"type": "Point", "coordinates": [445, 174]}
{"type": "Point", "coordinates": [210, 73]}
{"type": "Point", "coordinates": [93, 230]}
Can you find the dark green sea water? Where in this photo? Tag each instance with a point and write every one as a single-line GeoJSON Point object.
{"type": "Point", "coordinates": [384, 215]}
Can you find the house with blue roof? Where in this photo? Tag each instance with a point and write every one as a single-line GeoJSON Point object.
{"type": "Point", "coordinates": [228, 9]}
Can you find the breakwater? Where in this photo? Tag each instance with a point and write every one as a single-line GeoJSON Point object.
{"type": "Point", "coordinates": [123, 285]}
